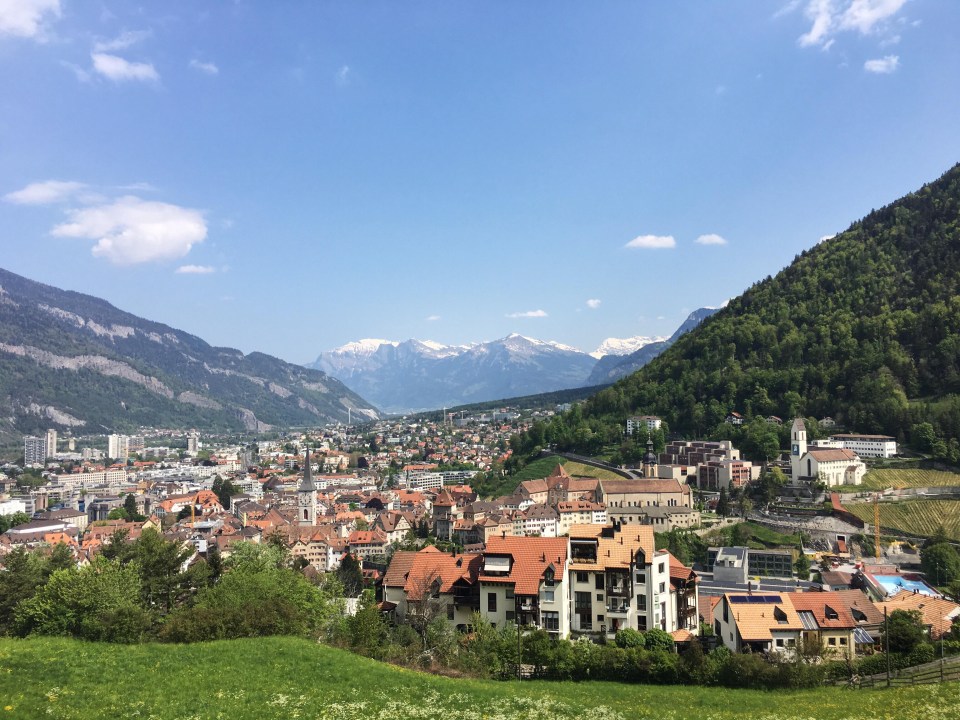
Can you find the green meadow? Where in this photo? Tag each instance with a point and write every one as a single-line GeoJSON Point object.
{"type": "Point", "coordinates": [266, 678]}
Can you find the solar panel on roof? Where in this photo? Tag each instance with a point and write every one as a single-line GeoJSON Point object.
{"type": "Point", "coordinates": [755, 599]}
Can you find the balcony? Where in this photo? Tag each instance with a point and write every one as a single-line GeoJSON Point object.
{"type": "Point", "coordinates": [618, 608]}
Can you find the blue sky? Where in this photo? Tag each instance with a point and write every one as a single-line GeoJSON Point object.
{"type": "Point", "coordinates": [291, 176]}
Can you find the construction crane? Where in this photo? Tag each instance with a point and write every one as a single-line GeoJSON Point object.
{"type": "Point", "coordinates": [876, 525]}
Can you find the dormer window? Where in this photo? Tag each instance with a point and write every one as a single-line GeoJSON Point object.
{"type": "Point", "coordinates": [780, 616]}
{"type": "Point", "coordinates": [830, 613]}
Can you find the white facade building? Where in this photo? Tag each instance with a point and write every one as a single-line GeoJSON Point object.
{"type": "Point", "coordinates": [881, 446]}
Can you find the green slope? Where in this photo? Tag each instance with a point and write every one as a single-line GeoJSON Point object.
{"type": "Point", "coordinates": [284, 678]}
{"type": "Point", "coordinates": [864, 327]}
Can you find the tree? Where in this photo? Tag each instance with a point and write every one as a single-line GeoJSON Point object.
{"type": "Point", "coordinates": [11, 521]}
{"type": "Point", "coordinates": [130, 506]}
{"type": "Point", "coordinates": [740, 535]}
{"type": "Point", "coordinates": [253, 599]}
{"type": "Point", "coordinates": [224, 490]}
{"type": "Point", "coordinates": [350, 575]}
{"type": "Point", "coordinates": [904, 631]}
{"type": "Point", "coordinates": [96, 602]}
{"type": "Point", "coordinates": [366, 627]}
{"type": "Point", "coordinates": [160, 564]}
{"type": "Point", "coordinates": [802, 566]}
{"type": "Point", "coordinates": [940, 563]}
{"type": "Point", "coordinates": [723, 504]}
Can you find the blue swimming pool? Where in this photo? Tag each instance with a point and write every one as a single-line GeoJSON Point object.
{"type": "Point", "coordinates": [895, 583]}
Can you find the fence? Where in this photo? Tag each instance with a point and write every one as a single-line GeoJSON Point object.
{"type": "Point", "coordinates": [931, 672]}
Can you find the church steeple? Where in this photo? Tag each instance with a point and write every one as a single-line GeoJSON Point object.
{"type": "Point", "coordinates": [307, 484]}
{"type": "Point", "coordinates": [307, 496]}
{"type": "Point", "coordinates": [650, 460]}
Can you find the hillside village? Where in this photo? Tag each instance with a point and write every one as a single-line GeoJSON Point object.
{"type": "Point", "coordinates": [574, 555]}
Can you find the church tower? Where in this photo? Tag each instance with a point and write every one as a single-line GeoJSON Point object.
{"type": "Point", "coordinates": [307, 496]}
{"type": "Point", "coordinates": [650, 460]}
{"type": "Point", "coordinates": [798, 447]}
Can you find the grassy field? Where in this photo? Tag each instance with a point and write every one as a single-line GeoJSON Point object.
{"type": "Point", "coordinates": [544, 467]}
{"type": "Point", "coordinates": [918, 517]}
{"type": "Point", "coordinates": [285, 678]}
{"type": "Point", "coordinates": [889, 478]}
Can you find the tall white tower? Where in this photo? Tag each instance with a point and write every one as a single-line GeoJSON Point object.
{"type": "Point", "coordinates": [307, 496]}
{"type": "Point", "coordinates": [798, 447]}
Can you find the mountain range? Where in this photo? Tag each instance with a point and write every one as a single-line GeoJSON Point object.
{"type": "Point", "coordinates": [70, 360]}
{"type": "Point", "coordinates": [414, 375]}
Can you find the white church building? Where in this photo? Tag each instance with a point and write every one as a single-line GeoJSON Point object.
{"type": "Point", "coordinates": [831, 466]}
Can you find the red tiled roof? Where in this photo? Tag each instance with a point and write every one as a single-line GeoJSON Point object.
{"type": "Point", "coordinates": [531, 557]}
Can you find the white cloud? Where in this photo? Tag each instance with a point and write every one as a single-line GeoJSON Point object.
{"type": "Point", "coordinates": [80, 73]}
{"type": "Point", "coordinates": [821, 13]}
{"type": "Point", "coordinates": [433, 318]}
{"type": "Point", "coordinates": [882, 66]}
{"type": "Point", "coordinates": [205, 67]}
{"type": "Point", "coordinates": [343, 75]}
{"type": "Point", "coordinates": [824, 238]}
{"type": "Point", "coordinates": [195, 270]}
{"type": "Point", "coordinates": [118, 69]}
{"type": "Point", "coordinates": [593, 303]}
{"type": "Point", "coordinates": [26, 18]}
{"type": "Point", "coordinates": [711, 239]}
{"type": "Point", "coordinates": [44, 193]}
{"type": "Point", "coordinates": [652, 242]}
{"type": "Point", "coordinates": [829, 17]}
{"type": "Point", "coordinates": [528, 314]}
{"type": "Point", "coordinates": [865, 15]}
{"type": "Point", "coordinates": [130, 230]}
{"type": "Point", "coordinates": [126, 39]}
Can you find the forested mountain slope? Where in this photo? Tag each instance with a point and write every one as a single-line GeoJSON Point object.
{"type": "Point", "coordinates": [73, 360]}
{"type": "Point", "coordinates": [863, 327]}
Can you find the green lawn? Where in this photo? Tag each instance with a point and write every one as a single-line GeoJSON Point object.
{"type": "Point", "coordinates": [285, 678]}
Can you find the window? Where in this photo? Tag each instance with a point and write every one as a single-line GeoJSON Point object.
{"type": "Point", "coordinates": [642, 602]}
{"type": "Point", "coordinates": [509, 593]}
{"type": "Point", "coordinates": [450, 612]}
{"type": "Point", "coordinates": [582, 577]}
{"type": "Point", "coordinates": [491, 602]}
{"type": "Point", "coordinates": [551, 620]}
{"type": "Point", "coordinates": [510, 615]}
{"type": "Point", "coordinates": [832, 642]}
{"type": "Point", "coordinates": [660, 568]}
{"type": "Point", "coordinates": [779, 642]}
{"type": "Point", "coordinates": [663, 587]}
{"type": "Point", "coordinates": [600, 618]}
{"type": "Point", "coordinates": [598, 582]}
{"type": "Point", "coordinates": [843, 641]}
{"type": "Point", "coordinates": [548, 595]}
{"type": "Point", "coordinates": [641, 578]}
{"type": "Point", "coordinates": [582, 600]}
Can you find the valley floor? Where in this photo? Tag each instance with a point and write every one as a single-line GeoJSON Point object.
{"type": "Point", "coordinates": [291, 678]}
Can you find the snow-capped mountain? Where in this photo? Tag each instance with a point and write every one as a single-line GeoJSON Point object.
{"type": "Point", "coordinates": [624, 346]}
{"type": "Point", "coordinates": [611, 368]}
{"type": "Point", "coordinates": [419, 375]}
{"type": "Point", "coordinates": [412, 375]}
